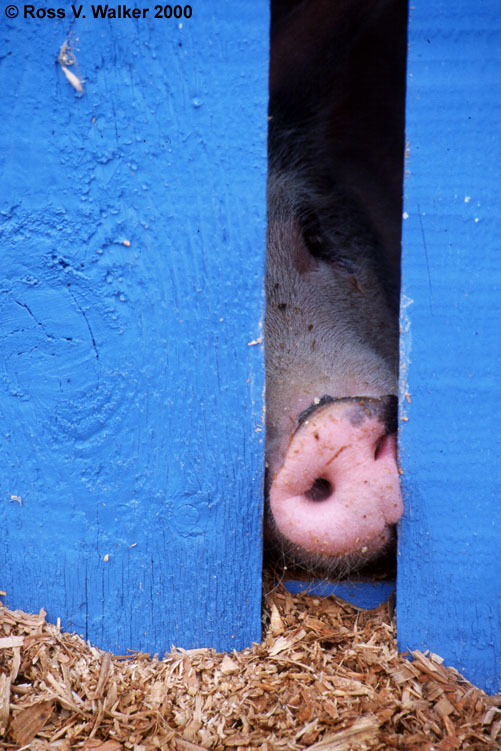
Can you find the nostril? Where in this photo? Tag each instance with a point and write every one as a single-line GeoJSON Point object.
{"type": "Point", "coordinates": [384, 445]}
{"type": "Point", "coordinates": [320, 490]}
{"type": "Point", "coordinates": [378, 446]}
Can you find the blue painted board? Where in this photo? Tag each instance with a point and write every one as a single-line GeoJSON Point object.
{"type": "Point", "coordinates": [132, 243]}
{"type": "Point", "coordinates": [449, 577]}
{"type": "Point", "coordinates": [363, 594]}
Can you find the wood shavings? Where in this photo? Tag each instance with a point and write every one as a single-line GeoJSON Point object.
{"type": "Point", "coordinates": [327, 677]}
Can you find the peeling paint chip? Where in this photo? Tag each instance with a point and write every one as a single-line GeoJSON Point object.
{"type": "Point", "coordinates": [73, 79]}
{"type": "Point", "coordinates": [66, 58]}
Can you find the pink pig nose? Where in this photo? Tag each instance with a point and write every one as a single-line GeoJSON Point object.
{"type": "Point", "coordinates": [338, 490]}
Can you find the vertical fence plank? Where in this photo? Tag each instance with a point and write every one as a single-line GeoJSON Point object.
{"type": "Point", "coordinates": [449, 580]}
{"type": "Point", "coordinates": [132, 245]}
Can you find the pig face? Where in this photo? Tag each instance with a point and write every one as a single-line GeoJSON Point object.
{"type": "Point", "coordinates": [332, 482]}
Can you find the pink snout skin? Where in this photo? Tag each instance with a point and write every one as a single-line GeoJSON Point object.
{"type": "Point", "coordinates": [338, 490]}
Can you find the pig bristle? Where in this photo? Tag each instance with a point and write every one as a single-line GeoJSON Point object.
{"type": "Point", "coordinates": [286, 555]}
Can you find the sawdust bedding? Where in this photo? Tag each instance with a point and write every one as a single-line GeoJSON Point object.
{"type": "Point", "coordinates": [327, 677]}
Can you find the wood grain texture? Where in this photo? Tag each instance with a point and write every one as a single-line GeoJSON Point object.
{"type": "Point", "coordinates": [132, 248]}
{"type": "Point", "coordinates": [449, 580]}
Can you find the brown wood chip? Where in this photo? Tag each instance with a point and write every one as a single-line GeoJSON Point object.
{"type": "Point", "coordinates": [362, 731]}
{"type": "Point", "coordinates": [184, 745]}
{"type": "Point", "coordinates": [25, 726]}
{"type": "Point", "coordinates": [95, 745]}
{"type": "Point", "coordinates": [7, 642]}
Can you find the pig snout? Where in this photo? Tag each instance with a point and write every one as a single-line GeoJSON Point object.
{"type": "Point", "coordinates": [338, 490]}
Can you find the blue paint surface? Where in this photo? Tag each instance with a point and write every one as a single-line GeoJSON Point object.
{"type": "Point", "coordinates": [363, 594]}
{"type": "Point", "coordinates": [132, 246]}
{"type": "Point", "coordinates": [449, 580]}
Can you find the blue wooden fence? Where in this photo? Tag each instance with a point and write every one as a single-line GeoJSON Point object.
{"type": "Point", "coordinates": [449, 580]}
{"type": "Point", "coordinates": [132, 246]}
